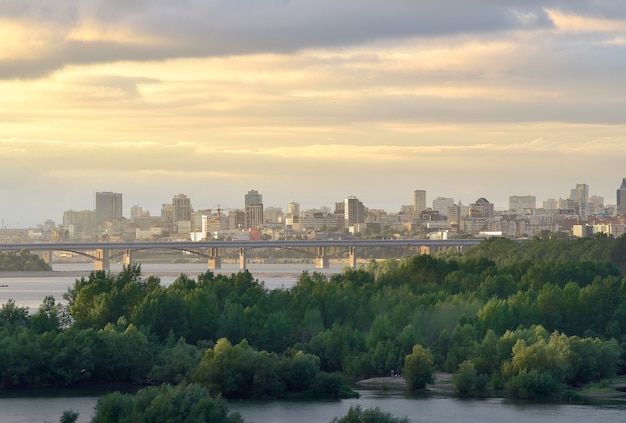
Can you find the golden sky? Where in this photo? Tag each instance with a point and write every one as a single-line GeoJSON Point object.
{"type": "Point", "coordinates": [309, 101]}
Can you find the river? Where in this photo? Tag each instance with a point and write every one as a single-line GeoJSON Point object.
{"type": "Point", "coordinates": [47, 405]}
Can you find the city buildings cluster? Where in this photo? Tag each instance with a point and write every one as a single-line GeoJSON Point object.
{"type": "Point", "coordinates": [580, 214]}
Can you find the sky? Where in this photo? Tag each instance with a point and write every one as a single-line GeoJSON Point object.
{"type": "Point", "coordinates": [307, 100]}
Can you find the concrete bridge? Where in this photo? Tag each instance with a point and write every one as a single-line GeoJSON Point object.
{"type": "Point", "coordinates": [100, 252]}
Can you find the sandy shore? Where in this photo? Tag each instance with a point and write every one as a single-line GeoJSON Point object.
{"type": "Point", "coordinates": [442, 381]}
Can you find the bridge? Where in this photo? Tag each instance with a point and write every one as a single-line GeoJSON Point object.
{"type": "Point", "coordinates": [100, 252]}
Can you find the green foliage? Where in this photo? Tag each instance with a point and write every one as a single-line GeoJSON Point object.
{"type": "Point", "coordinates": [542, 310]}
{"type": "Point", "coordinates": [239, 371]}
{"type": "Point", "coordinates": [328, 385]}
{"type": "Point", "coordinates": [104, 298]}
{"type": "Point", "coordinates": [22, 261]}
{"type": "Point", "coordinates": [370, 415]}
{"type": "Point", "coordinates": [468, 382]}
{"type": "Point", "coordinates": [12, 314]}
{"type": "Point", "coordinates": [48, 317]}
{"type": "Point", "coordinates": [175, 363]}
{"type": "Point", "coordinates": [166, 403]}
{"type": "Point", "coordinates": [69, 416]}
{"type": "Point", "coordinates": [418, 368]}
{"type": "Point", "coordinates": [533, 384]}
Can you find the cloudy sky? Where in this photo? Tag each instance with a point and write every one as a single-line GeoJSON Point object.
{"type": "Point", "coordinates": [307, 100]}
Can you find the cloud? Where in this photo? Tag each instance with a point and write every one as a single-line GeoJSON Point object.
{"type": "Point", "coordinates": [102, 31]}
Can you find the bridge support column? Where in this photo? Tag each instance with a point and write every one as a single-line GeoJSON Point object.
{"type": "Point", "coordinates": [46, 256]}
{"type": "Point", "coordinates": [127, 259]}
{"type": "Point", "coordinates": [242, 259]}
{"type": "Point", "coordinates": [352, 257]}
{"type": "Point", "coordinates": [321, 261]}
{"type": "Point", "coordinates": [424, 249]}
{"type": "Point", "coordinates": [102, 260]}
{"type": "Point", "coordinates": [215, 262]}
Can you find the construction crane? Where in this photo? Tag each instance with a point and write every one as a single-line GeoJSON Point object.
{"type": "Point", "coordinates": [221, 209]}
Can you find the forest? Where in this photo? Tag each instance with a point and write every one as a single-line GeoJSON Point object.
{"type": "Point", "coordinates": [530, 319]}
{"type": "Point", "coordinates": [22, 261]}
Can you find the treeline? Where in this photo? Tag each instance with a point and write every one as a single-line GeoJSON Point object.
{"type": "Point", "coordinates": [22, 261]}
{"type": "Point", "coordinates": [494, 317]}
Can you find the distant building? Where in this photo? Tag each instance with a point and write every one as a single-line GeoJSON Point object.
{"type": "Point", "coordinates": [522, 203]}
{"type": "Point", "coordinates": [181, 208]}
{"type": "Point", "coordinates": [419, 201]}
{"type": "Point", "coordinates": [79, 223]}
{"type": "Point", "coordinates": [236, 219]}
{"type": "Point", "coordinates": [550, 204]}
{"type": "Point", "coordinates": [108, 206]}
{"type": "Point", "coordinates": [481, 209]}
{"type": "Point", "coordinates": [253, 202]}
{"type": "Point", "coordinates": [621, 199]}
{"type": "Point", "coordinates": [442, 205]}
{"type": "Point", "coordinates": [293, 209]}
{"type": "Point", "coordinates": [354, 211]}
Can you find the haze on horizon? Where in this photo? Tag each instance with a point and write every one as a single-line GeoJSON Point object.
{"type": "Point", "coordinates": [307, 100]}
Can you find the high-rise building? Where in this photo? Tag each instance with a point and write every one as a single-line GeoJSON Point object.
{"type": "Point", "coordinates": [442, 204]}
{"type": "Point", "coordinates": [293, 209]}
{"type": "Point", "coordinates": [621, 198]}
{"type": "Point", "coordinates": [181, 208]}
{"type": "Point", "coordinates": [354, 211]}
{"type": "Point", "coordinates": [253, 202]}
{"type": "Point", "coordinates": [108, 206]}
{"type": "Point", "coordinates": [419, 201]}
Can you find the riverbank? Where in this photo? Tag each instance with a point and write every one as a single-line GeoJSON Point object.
{"type": "Point", "coordinates": [443, 381]}
{"type": "Point", "coordinates": [44, 274]}
{"type": "Point", "coordinates": [144, 273]}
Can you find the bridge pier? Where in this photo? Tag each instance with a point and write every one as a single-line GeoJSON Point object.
{"type": "Point", "coordinates": [352, 257]}
{"type": "Point", "coordinates": [102, 260]}
{"type": "Point", "coordinates": [321, 261]}
{"type": "Point", "coordinates": [46, 256]}
{"type": "Point", "coordinates": [215, 262]}
{"type": "Point", "coordinates": [242, 259]}
{"type": "Point", "coordinates": [127, 259]}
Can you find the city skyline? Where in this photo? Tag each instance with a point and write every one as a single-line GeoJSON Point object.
{"type": "Point", "coordinates": [252, 197]}
{"type": "Point", "coordinates": [311, 101]}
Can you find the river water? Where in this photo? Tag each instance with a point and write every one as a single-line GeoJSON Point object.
{"type": "Point", "coordinates": [48, 405]}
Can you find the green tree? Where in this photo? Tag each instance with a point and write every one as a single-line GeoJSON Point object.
{"type": "Point", "coordinates": [418, 368]}
{"type": "Point", "coordinates": [13, 314]}
{"type": "Point", "coordinates": [468, 382]}
{"type": "Point", "coordinates": [370, 415]}
{"type": "Point", "coordinates": [48, 316]}
{"type": "Point", "coordinates": [69, 416]}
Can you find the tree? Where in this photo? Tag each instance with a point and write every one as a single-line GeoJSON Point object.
{"type": "Point", "coordinates": [165, 403]}
{"type": "Point", "coordinates": [370, 415]}
{"type": "Point", "coordinates": [468, 382]}
{"type": "Point", "coordinates": [13, 314]}
{"type": "Point", "coordinates": [418, 367]}
{"type": "Point", "coordinates": [48, 317]}
{"type": "Point", "coordinates": [69, 416]}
